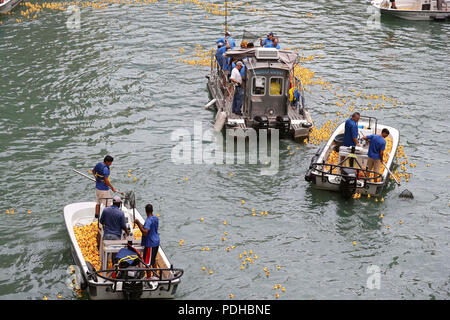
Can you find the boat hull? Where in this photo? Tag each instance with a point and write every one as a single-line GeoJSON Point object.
{"type": "Point", "coordinates": [100, 289]}
{"type": "Point", "coordinates": [9, 6]}
{"type": "Point", "coordinates": [331, 182]}
{"type": "Point", "coordinates": [410, 14]}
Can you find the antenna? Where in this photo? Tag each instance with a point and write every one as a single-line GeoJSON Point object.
{"type": "Point", "coordinates": [226, 17]}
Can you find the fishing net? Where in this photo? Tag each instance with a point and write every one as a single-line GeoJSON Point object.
{"type": "Point", "coordinates": [250, 37]}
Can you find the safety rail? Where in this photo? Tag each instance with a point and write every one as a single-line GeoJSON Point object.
{"type": "Point", "coordinates": [332, 166]}
{"type": "Point", "coordinates": [176, 272]}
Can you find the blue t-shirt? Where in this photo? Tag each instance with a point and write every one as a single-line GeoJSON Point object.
{"type": "Point", "coordinates": [267, 43]}
{"type": "Point", "coordinates": [102, 172]}
{"type": "Point", "coordinates": [271, 45]}
{"type": "Point", "coordinates": [377, 143]}
{"type": "Point", "coordinates": [113, 219]}
{"type": "Point", "coordinates": [230, 41]}
{"type": "Point", "coordinates": [351, 132]}
{"type": "Point", "coordinates": [152, 238]}
{"type": "Point", "coordinates": [219, 55]}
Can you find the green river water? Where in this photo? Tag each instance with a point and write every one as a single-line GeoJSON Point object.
{"type": "Point", "coordinates": [67, 98]}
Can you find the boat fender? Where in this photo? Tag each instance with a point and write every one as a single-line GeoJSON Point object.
{"type": "Point", "coordinates": [308, 176]}
{"type": "Point", "coordinates": [209, 104]}
{"type": "Point", "coordinates": [220, 121]}
{"type": "Point", "coordinates": [307, 125]}
{"type": "Point", "coordinates": [91, 273]}
{"type": "Point", "coordinates": [406, 194]}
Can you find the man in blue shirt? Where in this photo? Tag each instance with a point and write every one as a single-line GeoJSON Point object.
{"type": "Point", "coordinates": [376, 149]}
{"type": "Point", "coordinates": [267, 42]}
{"type": "Point", "coordinates": [150, 237]}
{"type": "Point", "coordinates": [113, 221]}
{"type": "Point", "coordinates": [219, 53]}
{"type": "Point", "coordinates": [102, 185]}
{"type": "Point", "coordinates": [351, 131]}
{"type": "Point", "coordinates": [229, 39]}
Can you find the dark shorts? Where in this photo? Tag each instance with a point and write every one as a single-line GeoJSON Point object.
{"type": "Point", "coordinates": [110, 236]}
{"type": "Point", "coordinates": [150, 255]}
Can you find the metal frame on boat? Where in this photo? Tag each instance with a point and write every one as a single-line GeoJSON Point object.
{"type": "Point", "coordinates": [356, 178]}
{"type": "Point", "coordinates": [261, 109]}
{"type": "Point", "coordinates": [100, 284]}
{"type": "Point", "coordinates": [8, 5]}
{"type": "Point", "coordinates": [414, 9]}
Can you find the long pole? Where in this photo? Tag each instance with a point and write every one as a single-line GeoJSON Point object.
{"type": "Point", "coordinates": [84, 175]}
{"type": "Point", "coordinates": [392, 175]}
{"type": "Point", "coordinates": [226, 17]}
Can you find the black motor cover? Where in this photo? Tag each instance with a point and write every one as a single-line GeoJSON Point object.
{"type": "Point", "coordinates": [260, 122]}
{"type": "Point", "coordinates": [283, 124]}
{"type": "Point", "coordinates": [348, 182]}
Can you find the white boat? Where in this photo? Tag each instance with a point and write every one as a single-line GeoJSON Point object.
{"type": "Point", "coordinates": [415, 9]}
{"type": "Point", "coordinates": [329, 170]}
{"type": "Point", "coordinates": [8, 5]}
{"type": "Point", "coordinates": [112, 281]}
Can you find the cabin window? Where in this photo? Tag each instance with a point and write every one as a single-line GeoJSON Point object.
{"type": "Point", "coordinates": [259, 86]}
{"type": "Point", "coordinates": [276, 86]}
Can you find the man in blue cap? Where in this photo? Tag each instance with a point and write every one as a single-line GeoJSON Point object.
{"type": "Point", "coordinates": [113, 221]}
{"type": "Point", "coordinates": [228, 38]}
{"type": "Point", "coordinates": [267, 42]}
{"type": "Point", "coordinates": [219, 53]}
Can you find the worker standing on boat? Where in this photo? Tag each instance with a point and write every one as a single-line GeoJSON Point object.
{"type": "Point", "coordinates": [236, 79]}
{"type": "Point", "coordinates": [351, 131]}
{"type": "Point", "coordinates": [150, 237]}
{"type": "Point", "coordinates": [113, 221]}
{"type": "Point", "coordinates": [219, 53]}
{"type": "Point", "coordinates": [376, 149]}
{"type": "Point", "coordinates": [267, 42]}
{"type": "Point", "coordinates": [228, 38]}
{"type": "Point", "coordinates": [101, 173]}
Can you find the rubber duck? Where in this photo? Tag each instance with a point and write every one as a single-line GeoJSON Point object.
{"type": "Point", "coordinates": [243, 202]}
{"type": "Point", "coordinates": [203, 268]}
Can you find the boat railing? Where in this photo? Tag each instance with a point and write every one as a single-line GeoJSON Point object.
{"type": "Point", "coordinates": [221, 77]}
{"type": "Point", "coordinates": [110, 274]}
{"type": "Point", "coordinates": [327, 169]}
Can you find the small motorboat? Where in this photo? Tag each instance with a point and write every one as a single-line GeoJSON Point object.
{"type": "Point", "coordinates": [8, 5]}
{"type": "Point", "coordinates": [100, 271]}
{"type": "Point", "coordinates": [269, 82]}
{"type": "Point", "coordinates": [415, 9]}
{"type": "Point", "coordinates": [344, 169]}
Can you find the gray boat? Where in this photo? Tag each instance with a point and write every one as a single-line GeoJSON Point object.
{"type": "Point", "coordinates": [268, 86]}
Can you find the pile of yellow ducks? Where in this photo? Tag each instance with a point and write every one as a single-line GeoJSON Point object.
{"type": "Point", "coordinates": [87, 241]}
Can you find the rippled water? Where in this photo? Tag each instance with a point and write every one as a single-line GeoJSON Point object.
{"type": "Point", "coordinates": [68, 98]}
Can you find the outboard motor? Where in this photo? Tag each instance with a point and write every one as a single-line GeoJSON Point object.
{"type": "Point", "coordinates": [124, 259]}
{"type": "Point", "coordinates": [348, 182]}
{"type": "Point", "coordinates": [283, 124]}
{"type": "Point", "coordinates": [260, 122]}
